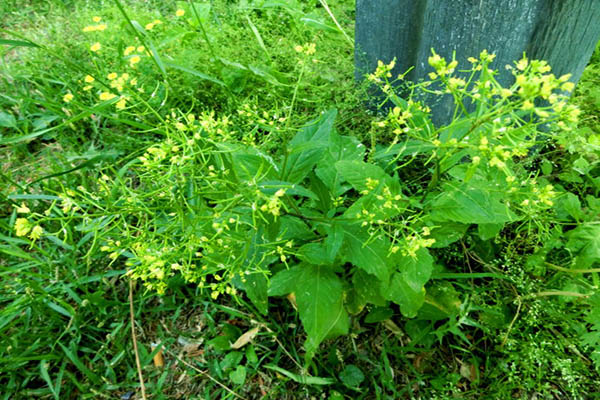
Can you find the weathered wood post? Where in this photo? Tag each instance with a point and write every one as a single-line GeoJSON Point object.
{"type": "Point", "coordinates": [562, 32]}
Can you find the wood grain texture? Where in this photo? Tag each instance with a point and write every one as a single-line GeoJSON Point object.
{"type": "Point", "coordinates": [563, 32]}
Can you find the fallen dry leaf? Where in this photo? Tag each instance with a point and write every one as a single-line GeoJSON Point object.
{"type": "Point", "coordinates": [245, 338]}
{"type": "Point", "coordinates": [159, 360]}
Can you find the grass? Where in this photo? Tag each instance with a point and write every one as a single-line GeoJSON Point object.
{"type": "Point", "coordinates": [65, 319]}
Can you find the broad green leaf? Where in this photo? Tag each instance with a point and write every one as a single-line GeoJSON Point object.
{"type": "Point", "coordinates": [238, 376]}
{"type": "Point", "coordinates": [441, 301]}
{"type": "Point", "coordinates": [572, 205]}
{"type": "Point", "coordinates": [249, 164]}
{"type": "Point", "coordinates": [470, 205]}
{"type": "Point", "coordinates": [340, 148]}
{"type": "Point", "coordinates": [352, 376]}
{"type": "Point", "coordinates": [400, 292]}
{"type": "Point", "coordinates": [359, 173]}
{"type": "Point", "coordinates": [294, 228]}
{"type": "Point", "coordinates": [320, 300]}
{"type": "Point", "coordinates": [285, 281]}
{"type": "Point", "coordinates": [307, 148]}
{"type": "Point", "coordinates": [416, 271]}
{"type": "Point", "coordinates": [368, 288]}
{"type": "Point", "coordinates": [333, 241]}
{"type": "Point", "coordinates": [314, 253]}
{"type": "Point", "coordinates": [584, 242]}
{"type": "Point", "coordinates": [399, 150]}
{"type": "Point", "coordinates": [378, 314]}
{"type": "Point", "coordinates": [368, 254]}
{"type": "Point", "coordinates": [489, 231]}
{"type": "Point", "coordinates": [379, 207]}
{"type": "Point", "coordinates": [271, 187]}
{"type": "Point", "coordinates": [255, 287]}
{"type": "Point", "coordinates": [447, 233]}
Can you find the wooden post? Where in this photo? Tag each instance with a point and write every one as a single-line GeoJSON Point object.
{"type": "Point", "coordinates": [562, 32]}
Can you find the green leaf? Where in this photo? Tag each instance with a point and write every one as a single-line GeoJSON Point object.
{"type": "Point", "coordinates": [352, 376]}
{"type": "Point", "coordinates": [416, 271]}
{"type": "Point", "coordinates": [368, 254]}
{"type": "Point", "coordinates": [238, 376]}
{"type": "Point", "coordinates": [319, 296]}
{"type": "Point", "coordinates": [447, 233]}
{"type": "Point", "coordinates": [401, 293]}
{"type": "Point", "coordinates": [314, 253]}
{"type": "Point", "coordinates": [46, 377]}
{"type": "Point", "coordinates": [340, 148]}
{"type": "Point", "coordinates": [195, 73]}
{"type": "Point", "coordinates": [470, 205]}
{"type": "Point", "coordinates": [271, 187]}
{"type": "Point", "coordinates": [584, 242]}
{"type": "Point", "coordinates": [7, 120]}
{"type": "Point", "coordinates": [333, 241]}
{"type": "Point", "coordinates": [80, 366]}
{"type": "Point", "coordinates": [489, 231]}
{"type": "Point", "coordinates": [307, 147]}
{"type": "Point", "coordinates": [18, 43]}
{"type": "Point", "coordinates": [304, 379]}
{"type": "Point", "coordinates": [368, 288]}
{"type": "Point", "coordinates": [357, 173]}
{"type": "Point", "coordinates": [284, 282]}
{"type": "Point", "coordinates": [442, 301]}
{"type": "Point", "coordinates": [379, 314]}
{"type": "Point", "coordinates": [572, 205]}
{"type": "Point", "coordinates": [256, 289]}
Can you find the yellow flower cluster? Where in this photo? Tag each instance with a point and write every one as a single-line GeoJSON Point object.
{"type": "Point", "coordinates": [273, 205]}
{"type": "Point", "coordinates": [309, 48]}
{"type": "Point", "coordinates": [414, 243]}
{"type": "Point", "coordinates": [152, 24]}
{"type": "Point", "coordinates": [441, 67]}
{"type": "Point", "coordinates": [95, 28]}
{"type": "Point", "coordinates": [23, 226]}
{"type": "Point", "coordinates": [382, 71]}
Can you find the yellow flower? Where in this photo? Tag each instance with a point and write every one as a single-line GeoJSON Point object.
{"type": "Point", "coordinates": [96, 19]}
{"type": "Point", "coordinates": [298, 48]}
{"type": "Point", "coordinates": [121, 104]}
{"type": "Point", "coordinates": [129, 50]}
{"type": "Point", "coordinates": [134, 60]}
{"type": "Point", "coordinates": [112, 75]}
{"type": "Point", "coordinates": [157, 21]}
{"type": "Point", "coordinates": [88, 79]}
{"type": "Point", "coordinates": [107, 96]}
{"type": "Point", "coordinates": [527, 105]}
{"type": "Point", "coordinates": [125, 76]}
{"type": "Point", "coordinates": [522, 64]}
{"type": "Point", "coordinates": [89, 28]}
{"type": "Point", "coordinates": [568, 86]}
{"type": "Point", "coordinates": [22, 226]}
{"type": "Point", "coordinates": [101, 27]}
{"type": "Point", "coordinates": [179, 13]}
{"type": "Point", "coordinates": [149, 26]}
{"type": "Point", "coordinates": [133, 82]}
{"type": "Point", "coordinates": [68, 97]}
{"type": "Point", "coordinates": [23, 209]}
{"type": "Point", "coordinates": [95, 47]}
{"type": "Point", "coordinates": [140, 49]}
{"type": "Point", "coordinates": [87, 87]}
{"type": "Point", "coordinates": [36, 232]}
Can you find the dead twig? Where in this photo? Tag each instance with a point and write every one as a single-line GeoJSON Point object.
{"type": "Point", "coordinates": [135, 346]}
